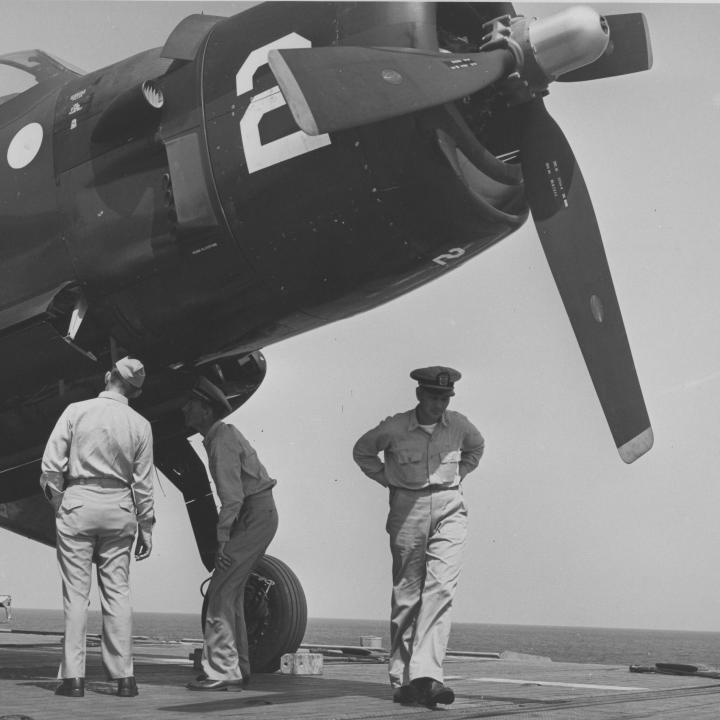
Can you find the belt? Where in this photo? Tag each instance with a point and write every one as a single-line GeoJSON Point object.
{"type": "Point", "coordinates": [259, 493]}
{"type": "Point", "coordinates": [105, 482]}
{"type": "Point", "coordinates": [426, 488]}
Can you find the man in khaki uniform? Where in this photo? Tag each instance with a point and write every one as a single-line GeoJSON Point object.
{"type": "Point", "coordinates": [97, 471]}
{"type": "Point", "coordinates": [246, 524]}
{"type": "Point", "coordinates": [427, 452]}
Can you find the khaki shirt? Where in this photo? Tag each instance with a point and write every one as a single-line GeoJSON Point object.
{"type": "Point", "coordinates": [415, 459]}
{"type": "Point", "coordinates": [102, 438]}
{"type": "Point", "coordinates": [236, 472]}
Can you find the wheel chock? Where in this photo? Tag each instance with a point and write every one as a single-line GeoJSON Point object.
{"type": "Point", "coordinates": [302, 663]}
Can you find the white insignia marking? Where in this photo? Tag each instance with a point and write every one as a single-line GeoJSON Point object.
{"type": "Point", "coordinates": [25, 146]}
{"type": "Point", "coordinates": [257, 155]}
{"type": "Point", "coordinates": [392, 76]}
{"type": "Point", "coordinates": [204, 248]}
{"type": "Point", "coordinates": [461, 64]}
{"type": "Point", "coordinates": [552, 170]}
{"type": "Point", "coordinates": [452, 254]}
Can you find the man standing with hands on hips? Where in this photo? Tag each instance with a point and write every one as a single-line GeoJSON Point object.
{"type": "Point", "coordinates": [97, 472]}
{"type": "Point", "coordinates": [427, 453]}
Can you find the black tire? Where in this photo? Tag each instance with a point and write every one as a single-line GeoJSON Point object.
{"type": "Point", "coordinates": [275, 613]}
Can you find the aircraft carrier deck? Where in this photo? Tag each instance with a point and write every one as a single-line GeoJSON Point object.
{"type": "Point", "coordinates": [349, 688]}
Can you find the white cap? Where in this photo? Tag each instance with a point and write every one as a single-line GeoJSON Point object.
{"type": "Point", "coordinates": [131, 371]}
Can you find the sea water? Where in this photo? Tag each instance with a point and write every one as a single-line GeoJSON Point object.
{"type": "Point", "coordinates": [614, 646]}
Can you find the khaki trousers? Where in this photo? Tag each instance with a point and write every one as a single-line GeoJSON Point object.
{"type": "Point", "coordinates": [225, 652]}
{"type": "Point", "coordinates": [427, 541]}
{"type": "Point", "coordinates": [96, 521]}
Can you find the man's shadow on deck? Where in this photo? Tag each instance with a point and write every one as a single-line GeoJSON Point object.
{"type": "Point", "coordinates": [265, 689]}
{"type": "Point", "coordinates": [278, 689]}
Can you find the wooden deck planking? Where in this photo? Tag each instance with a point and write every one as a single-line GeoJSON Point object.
{"type": "Point", "coordinates": [522, 687]}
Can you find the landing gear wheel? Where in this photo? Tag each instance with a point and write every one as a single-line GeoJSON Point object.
{"type": "Point", "coordinates": [275, 613]}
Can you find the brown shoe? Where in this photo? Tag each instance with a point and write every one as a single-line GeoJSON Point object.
{"type": "Point", "coordinates": [71, 687]}
{"type": "Point", "coordinates": [127, 687]}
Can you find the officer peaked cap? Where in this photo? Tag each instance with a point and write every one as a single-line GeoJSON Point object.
{"type": "Point", "coordinates": [436, 378]}
{"type": "Point", "coordinates": [212, 394]}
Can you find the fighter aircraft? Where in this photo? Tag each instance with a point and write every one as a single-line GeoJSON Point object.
{"type": "Point", "coordinates": [267, 173]}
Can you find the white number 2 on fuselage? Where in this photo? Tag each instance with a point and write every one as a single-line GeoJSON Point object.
{"type": "Point", "coordinates": [257, 155]}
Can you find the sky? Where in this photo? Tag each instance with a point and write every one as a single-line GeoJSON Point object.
{"type": "Point", "coordinates": [562, 532]}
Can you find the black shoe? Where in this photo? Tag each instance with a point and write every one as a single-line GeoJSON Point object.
{"type": "Point", "coordinates": [405, 695]}
{"type": "Point", "coordinates": [127, 687]}
{"type": "Point", "coordinates": [71, 687]}
{"type": "Point", "coordinates": [432, 692]}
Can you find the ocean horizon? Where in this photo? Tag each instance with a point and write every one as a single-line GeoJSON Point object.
{"type": "Point", "coordinates": [610, 646]}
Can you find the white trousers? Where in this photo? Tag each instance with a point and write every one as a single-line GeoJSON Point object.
{"type": "Point", "coordinates": [427, 541]}
{"type": "Point", "coordinates": [225, 652]}
{"type": "Point", "coordinates": [96, 522]}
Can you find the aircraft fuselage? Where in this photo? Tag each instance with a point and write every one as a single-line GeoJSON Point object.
{"type": "Point", "coordinates": [217, 212]}
{"type": "Point", "coordinates": [208, 224]}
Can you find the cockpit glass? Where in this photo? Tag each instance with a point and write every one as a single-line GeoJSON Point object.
{"type": "Point", "coordinates": [19, 71]}
{"type": "Point", "coordinates": [14, 81]}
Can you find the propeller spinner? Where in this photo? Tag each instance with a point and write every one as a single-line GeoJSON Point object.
{"type": "Point", "coordinates": [329, 89]}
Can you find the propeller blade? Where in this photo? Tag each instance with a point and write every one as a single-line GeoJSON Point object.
{"type": "Point", "coordinates": [629, 50]}
{"type": "Point", "coordinates": [568, 230]}
{"type": "Point", "coordinates": [336, 88]}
